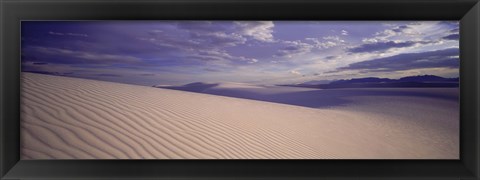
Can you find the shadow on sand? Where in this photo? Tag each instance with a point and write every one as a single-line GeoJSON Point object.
{"type": "Point", "coordinates": [317, 98]}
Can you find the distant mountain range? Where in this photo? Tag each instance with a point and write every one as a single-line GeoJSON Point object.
{"type": "Point", "coordinates": [316, 82]}
{"type": "Point", "coordinates": [375, 82]}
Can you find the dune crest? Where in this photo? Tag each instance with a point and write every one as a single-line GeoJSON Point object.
{"type": "Point", "coordinates": [71, 118]}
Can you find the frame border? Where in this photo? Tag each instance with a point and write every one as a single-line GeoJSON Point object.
{"type": "Point", "coordinates": [13, 11]}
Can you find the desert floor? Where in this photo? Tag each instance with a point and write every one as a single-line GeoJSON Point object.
{"type": "Point", "coordinates": [72, 118]}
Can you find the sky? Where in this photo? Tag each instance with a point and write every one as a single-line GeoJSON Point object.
{"type": "Point", "coordinates": [258, 52]}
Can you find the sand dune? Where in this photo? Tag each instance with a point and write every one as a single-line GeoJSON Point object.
{"type": "Point", "coordinates": [70, 118]}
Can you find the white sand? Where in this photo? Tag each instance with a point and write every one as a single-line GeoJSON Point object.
{"type": "Point", "coordinates": [70, 118]}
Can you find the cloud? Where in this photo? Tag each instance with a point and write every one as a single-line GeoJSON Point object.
{"type": "Point", "coordinates": [259, 30]}
{"type": "Point", "coordinates": [210, 55]}
{"type": "Point", "coordinates": [252, 60]}
{"type": "Point", "coordinates": [332, 57]}
{"type": "Point", "coordinates": [210, 33]}
{"type": "Point", "coordinates": [147, 74]}
{"type": "Point", "coordinates": [407, 37]}
{"type": "Point", "coordinates": [447, 58]}
{"type": "Point", "coordinates": [194, 38]}
{"type": "Point", "coordinates": [236, 31]}
{"type": "Point", "coordinates": [205, 41]}
{"type": "Point", "coordinates": [212, 70]}
{"type": "Point", "coordinates": [200, 26]}
{"type": "Point", "coordinates": [384, 46]}
{"type": "Point", "coordinates": [450, 23]}
{"type": "Point", "coordinates": [394, 31]}
{"type": "Point", "coordinates": [370, 40]}
{"type": "Point", "coordinates": [219, 56]}
{"type": "Point", "coordinates": [400, 29]}
{"type": "Point", "coordinates": [454, 37]}
{"type": "Point", "coordinates": [344, 32]}
{"type": "Point", "coordinates": [218, 39]}
{"type": "Point", "coordinates": [39, 63]}
{"type": "Point", "coordinates": [327, 42]}
{"type": "Point", "coordinates": [293, 48]}
{"type": "Point", "coordinates": [455, 30]}
{"type": "Point", "coordinates": [295, 72]}
{"type": "Point", "coordinates": [76, 34]}
{"type": "Point", "coordinates": [82, 55]}
{"type": "Point", "coordinates": [56, 33]}
{"type": "Point", "coordinates": [108, 75]}
{"type": "Point", "coordinates": [67, 34]}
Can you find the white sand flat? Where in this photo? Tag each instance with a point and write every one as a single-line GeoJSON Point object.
{"type": "Point", "coordinates": [72, 118]}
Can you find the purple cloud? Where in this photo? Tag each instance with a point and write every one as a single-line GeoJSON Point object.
{"type": "Point", "coordinates": [401, 28]}
{"type": "Point", "coordinates": [454, 37]}
{"type": "Point", "coordinates": [67, 34]}
{"type": "Point", "coordinates": [70, 56]}
{"type": "Point", "coordinates": [383, 46]}
{"type": "Point", "coordinates": [446, 58]}
{"type": "Point", "coordinates": [294, 48]}
{"type": "Point", "coordinates": [258, 30]}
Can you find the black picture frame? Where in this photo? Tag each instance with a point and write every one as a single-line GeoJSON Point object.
{"type": "Point", "coordinates": [13, 11]}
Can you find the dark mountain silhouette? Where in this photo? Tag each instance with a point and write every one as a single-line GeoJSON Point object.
{"type": "Point", "coordinates": [427, 78]}
{"type": "Point", "coordinates": [363, 80]}
{"type": "Point", "coordinates": [375, 82]}
{"type": "Point", "coordinates": [315, 82]}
